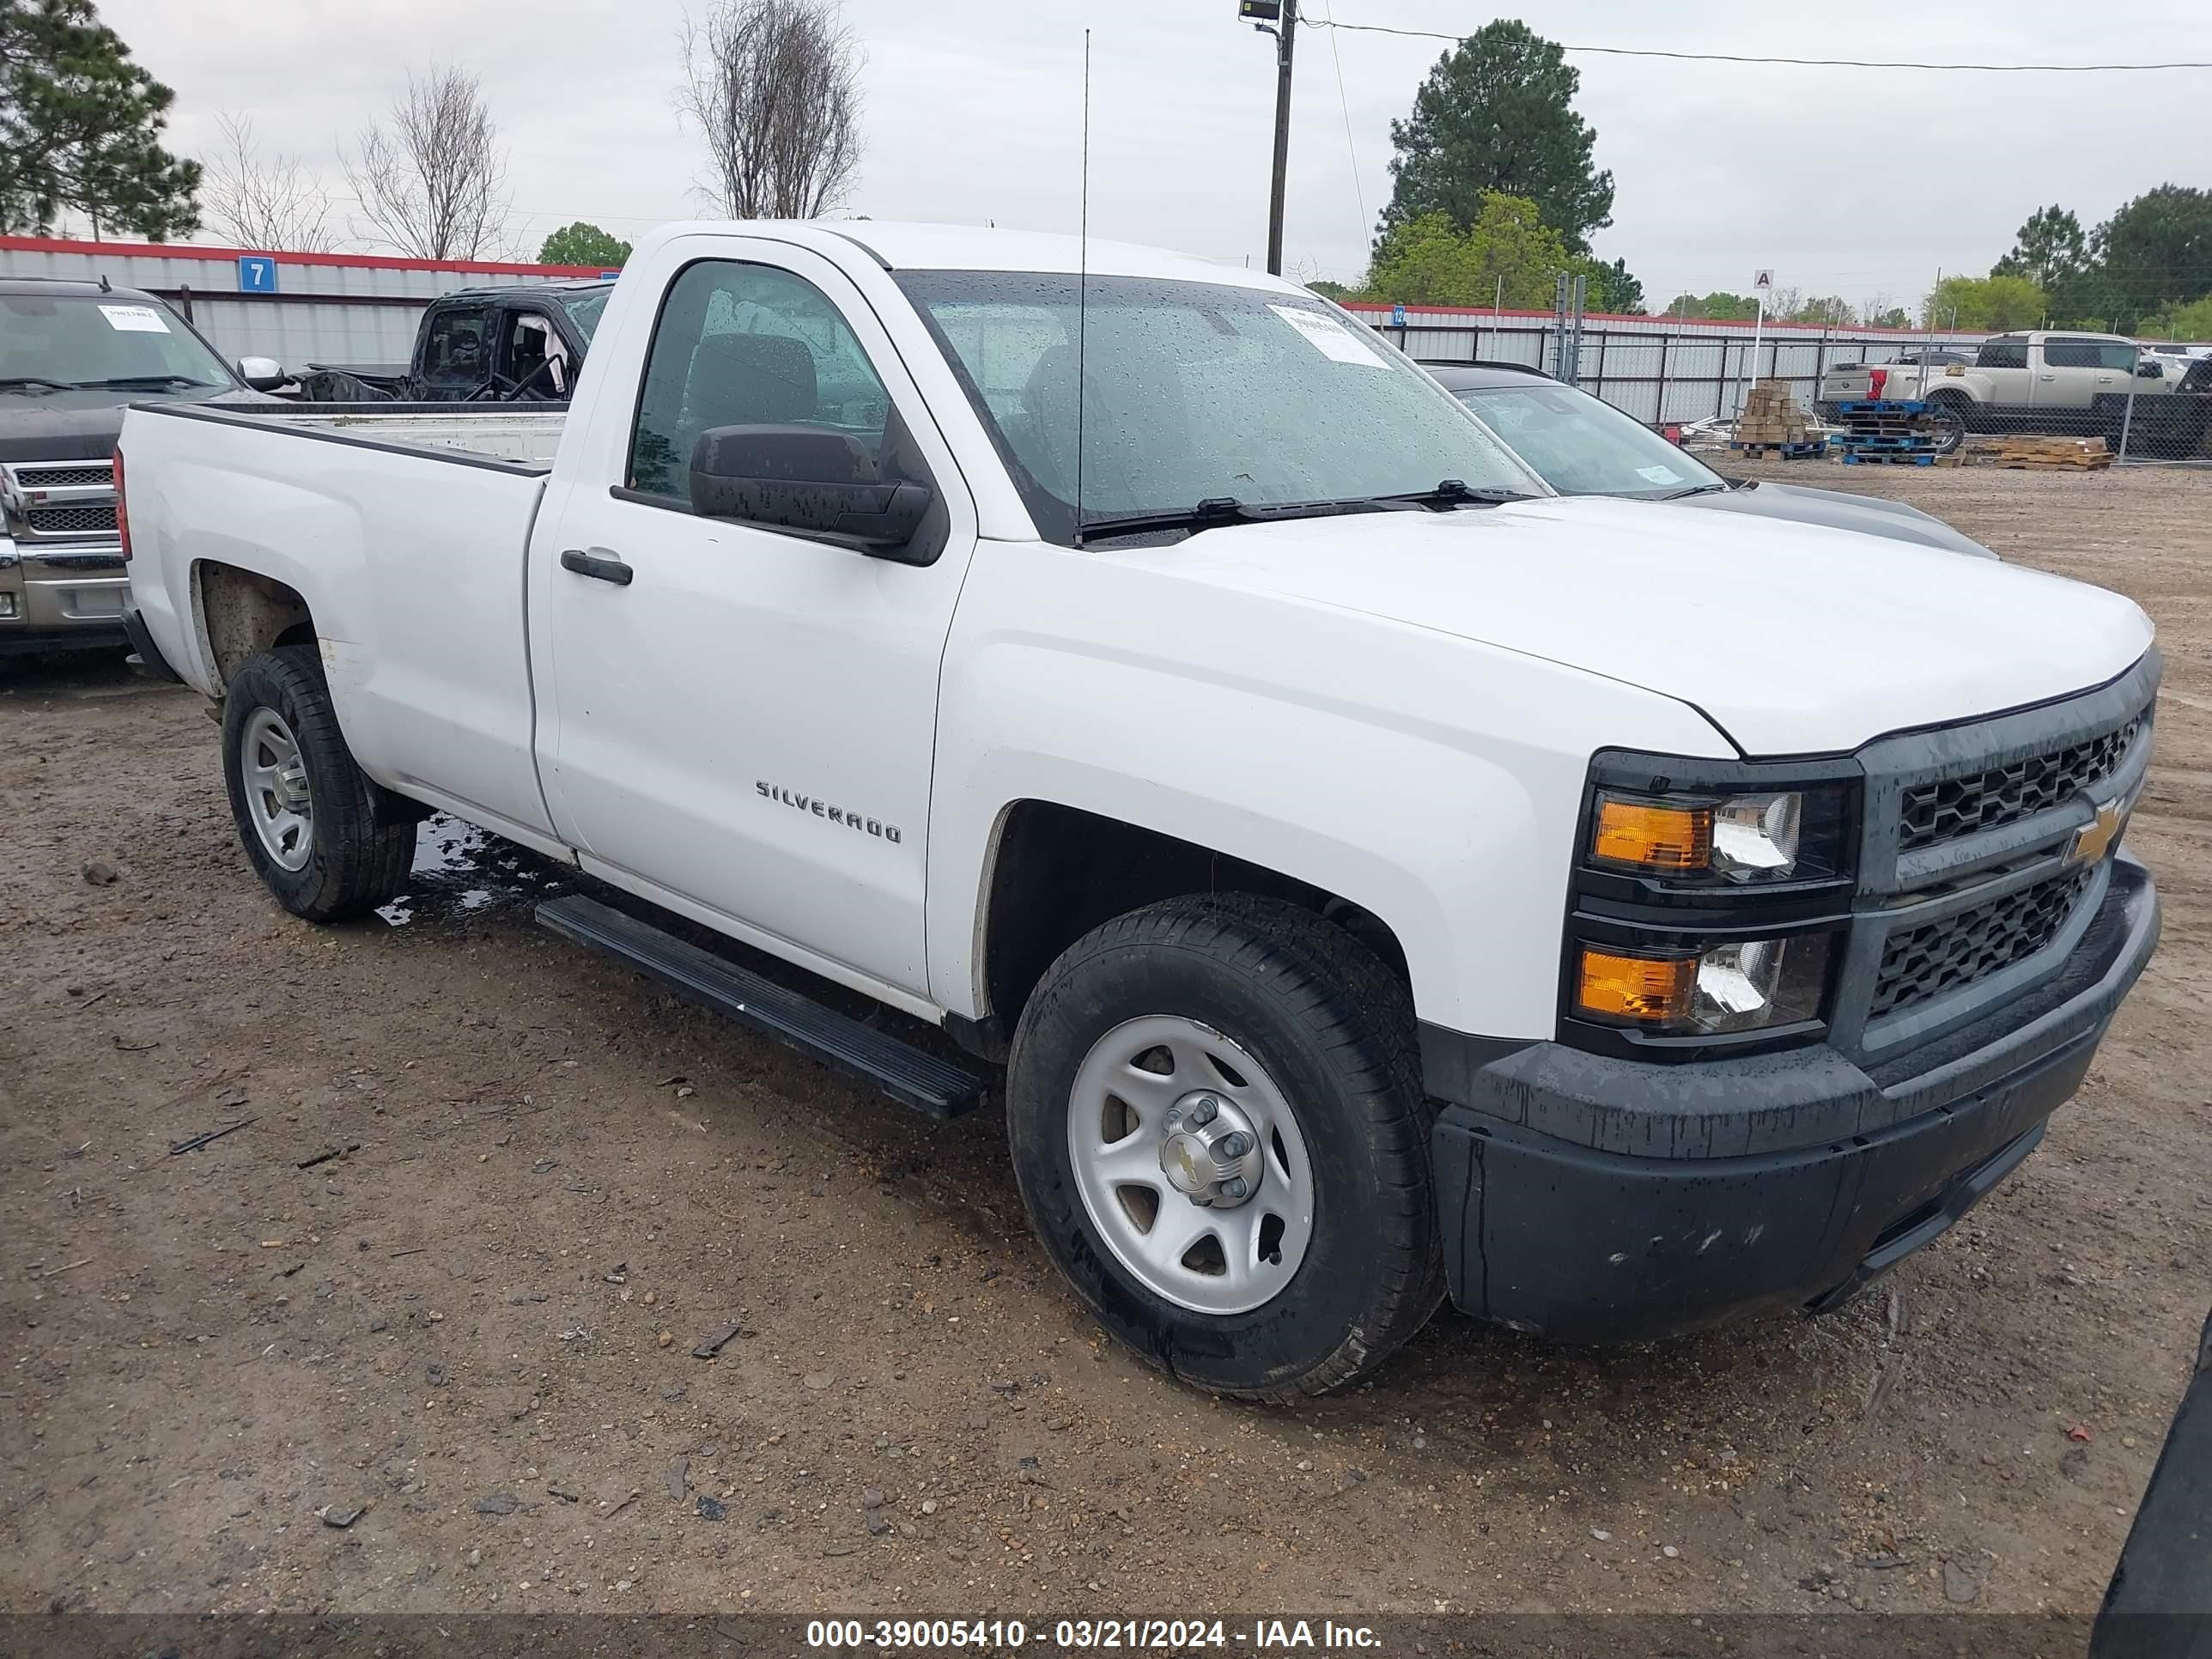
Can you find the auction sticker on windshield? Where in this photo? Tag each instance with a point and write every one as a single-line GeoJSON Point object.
{"type": "Point", "coordinates": [135, 319]}
{"type": "Point", "coordinates": [1329, 336]}
{"type": "Point", "coordinates": [1659, 475]}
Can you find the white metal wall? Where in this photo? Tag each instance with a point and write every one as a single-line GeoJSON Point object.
{"type": "Point", "coordinates": [1659, 369]}
{"type": "Point", "coordinates": [352, 313]}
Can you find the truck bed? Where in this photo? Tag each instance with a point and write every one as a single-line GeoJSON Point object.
{"type": "Point", "coordinates": [401, 526]}
{"type": "Point", "coordinates": [490, 433]}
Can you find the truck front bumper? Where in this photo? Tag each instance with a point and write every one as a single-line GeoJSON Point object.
{"type": "Point", "coordinates": [1601, 1200]}
{"type": "Point", "coordinates": [61, 596]}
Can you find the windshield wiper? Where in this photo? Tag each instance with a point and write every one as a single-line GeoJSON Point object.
{"type": "Point", "coordinates": [131, 382]}
{"type": "Point", "coordinates": [1219, 510]}
{"type": "Point", "coordinates": [1453, 493]}
{"type": "Point", "coordinates": [1695, 489]}
{"type": "Point", "coordinates": [26, 381]}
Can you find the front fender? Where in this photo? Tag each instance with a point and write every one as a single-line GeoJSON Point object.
{"type": "Point", "coordinates": [1431, 780]}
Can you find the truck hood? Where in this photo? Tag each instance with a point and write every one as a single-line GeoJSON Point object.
{"type": "Point", "coordinates": [83, 426]}
{"type": "Point", "coordinates": [1792, 638]}
{"type": "Point", "coordinates": [1839, 510]}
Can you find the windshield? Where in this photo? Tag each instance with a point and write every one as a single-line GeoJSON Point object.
{"type": "Point", "coordinates": [1193, 391]}
{"type": "Point", "coordinates": [1582, 446]}
{"type": "Point", "coordinates": [70, 341]}
{"type": "Point", "coordinates": [585, 306]}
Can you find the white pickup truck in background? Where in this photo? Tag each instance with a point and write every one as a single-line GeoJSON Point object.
{"type": "Point", "coordinates": [2036, 381]}
{"type": "Point", "coordinates": [1379, 877]}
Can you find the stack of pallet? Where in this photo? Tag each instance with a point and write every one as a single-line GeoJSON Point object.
{"type": "Point", "coordinates": [2022, 450]}
{"type": "Point", "coordinates": [1901, 432]}
{"type": "Point", "coordinates": [1771, 420]}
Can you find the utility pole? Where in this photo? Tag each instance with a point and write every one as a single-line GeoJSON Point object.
{"type": "Point", "coordinates": [1280, 19]}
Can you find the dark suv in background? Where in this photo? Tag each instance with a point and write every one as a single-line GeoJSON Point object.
{"type": "Point", "coordinates": [73, 355]}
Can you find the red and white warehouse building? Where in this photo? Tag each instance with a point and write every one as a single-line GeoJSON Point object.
{"type": "Point", "coordinates": [360, 310]}
{"type": "Point", "coordinates": [341, 308]}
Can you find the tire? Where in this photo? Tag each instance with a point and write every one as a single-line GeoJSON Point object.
{"type": "Point", "coordinates": [333, 860]}
{"type": "Point", "coordinates": [1951, 413]}
{"type": "Point", "coordinates": [1312, 1027]}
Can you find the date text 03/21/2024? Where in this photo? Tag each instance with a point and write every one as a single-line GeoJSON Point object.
{"type": "Point", "coordinates": [1142, 1635]}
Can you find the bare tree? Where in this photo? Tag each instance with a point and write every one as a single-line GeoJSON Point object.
{"type": "Point", "coordinates": [258, 204]}
{"type": "Point", "coordinates": [433, 185]}
{"type": "Point", "coordinates": [774, 87]}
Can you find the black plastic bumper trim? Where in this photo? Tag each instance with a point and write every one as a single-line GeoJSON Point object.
{"type": "Point", "coordinates": [146, 657]}
{"type": "Point", "coordinates": [1601, 1199]}
{"type": "Point", "coordinates": [1594, 1247]}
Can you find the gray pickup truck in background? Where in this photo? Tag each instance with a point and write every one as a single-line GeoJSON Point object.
{"type": "Point", "coordinates": [73, 355]}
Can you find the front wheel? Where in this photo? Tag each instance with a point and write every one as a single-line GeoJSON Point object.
{"type": "Point", "coordinates": [306, 813]}
{"type": "Point", "coordinates": [1220, 1134]}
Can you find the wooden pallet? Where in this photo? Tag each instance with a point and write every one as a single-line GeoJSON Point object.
{"type": "Point", "coordinates": [1787, 451]}
{"type": "Point", "coordinates": [2051, 464]}
{"type": "Point", "coordinates": [2025, 452]}
{"type": "Point", "coordinates": [1890, 457]}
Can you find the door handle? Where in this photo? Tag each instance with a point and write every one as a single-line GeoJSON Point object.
{"type": "Point", "coordinates": [599, 564]}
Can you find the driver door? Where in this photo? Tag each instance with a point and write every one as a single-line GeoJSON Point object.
{"type": "Point", "coordinates": [744, 727]}
{"type": "Point", "coordinates": [531, 364]}
{"type": "Point", "coordinates": [456, 353]}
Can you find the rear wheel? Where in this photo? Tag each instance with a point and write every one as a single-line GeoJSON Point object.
{"type": "Point", "coordinates": [1220, 1134]}
{"type": "Point", "coordinates": [306, 813]}
{"type": "Point", "coordinates": [1948, 414]}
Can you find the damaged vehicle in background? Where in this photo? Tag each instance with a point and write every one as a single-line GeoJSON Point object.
{"type": "Point", "coordinates": [523, 343]}
{"type": "Point", "coordinates": [73, 353]}
{"type": "Point", "coordinates": [1582, 446]}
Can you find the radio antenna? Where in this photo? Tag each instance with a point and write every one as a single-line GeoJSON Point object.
{"type": "Point", "coordinates": [1082, 287]}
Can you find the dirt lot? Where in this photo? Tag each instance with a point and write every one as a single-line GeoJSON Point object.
{"type": "Point", "coordinates": [476, 1326]}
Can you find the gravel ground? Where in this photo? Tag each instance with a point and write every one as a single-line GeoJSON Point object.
{"type": "Point", "coordinates": [476, 1324]}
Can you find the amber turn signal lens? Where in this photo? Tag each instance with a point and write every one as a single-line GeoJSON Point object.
{"type": "Point", "coordinates": [1637, 987]}
{"type": "Point", "coordinates": [1651, 836]}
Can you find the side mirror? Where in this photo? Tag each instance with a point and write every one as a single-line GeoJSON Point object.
{"type": "Point", "coordinates": [810, 481]}
{"type": "Point", "coordinates": [2151, 371]}
{"type": "Point", "coordinates": [262, 373]}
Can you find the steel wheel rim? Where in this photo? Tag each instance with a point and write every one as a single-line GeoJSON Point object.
{"type": "Point", "coordinates": [1116, 1116]}
{"type": "Point", "coordinates": [277, 798]}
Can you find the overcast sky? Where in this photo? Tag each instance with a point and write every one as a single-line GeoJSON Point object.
{"type": "Point", "coordinates": [1861, 183]}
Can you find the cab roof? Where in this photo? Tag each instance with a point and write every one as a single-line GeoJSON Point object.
{"type": "Point", "coordinates": [904, 246]}
{"type": "Point", "coordinates": [71, 287]}
{"type": "Point", "coordinates": [1483, 375]}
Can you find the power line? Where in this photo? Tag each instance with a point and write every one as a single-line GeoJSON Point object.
{"type": "Point", "coordinates": [1344, 102]}
{"type": "Point", "coordinates": [1804, 63]}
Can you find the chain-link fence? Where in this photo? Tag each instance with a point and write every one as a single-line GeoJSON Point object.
{"type": "Point", "coordinates": [2055, 397]}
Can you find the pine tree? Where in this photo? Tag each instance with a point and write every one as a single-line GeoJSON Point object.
{"type": "Point", "coordinates": [80, 127]}
{"type": "Point", "coordinates": [1497, 114]}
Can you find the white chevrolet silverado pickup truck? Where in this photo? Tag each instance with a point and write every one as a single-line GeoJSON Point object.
{"type": "Point", "coordinates": [1379, 878]}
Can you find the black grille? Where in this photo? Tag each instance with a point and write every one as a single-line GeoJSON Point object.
{"type": "Point", "coordinates": [61, 477]}
{"type": "Point", "coordinates": [94, 520]}
{"type": "Point", "coordinates": [1921, 962]}
{"type": "Point", "coordinates": [1937, 812]}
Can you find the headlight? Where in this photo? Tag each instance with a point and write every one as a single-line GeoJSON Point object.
{"type": "Point", "coordinates": [1739, 838]}
{"type": "Point", "coordinates": [1740, 986]}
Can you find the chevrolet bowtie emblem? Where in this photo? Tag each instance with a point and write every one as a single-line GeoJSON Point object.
{"type": "Point", "coordinates": [2095, 838]}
